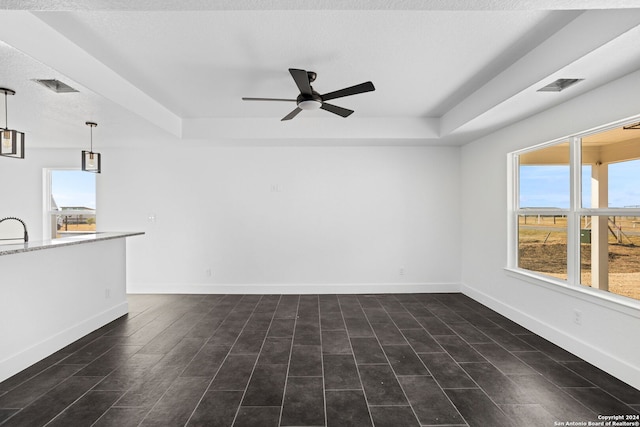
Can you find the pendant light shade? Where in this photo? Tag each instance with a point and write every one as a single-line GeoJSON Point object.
{"type": "Point", "coordinates": [11, 140]}
{"type": "Point", "coordinates": [91, 160]}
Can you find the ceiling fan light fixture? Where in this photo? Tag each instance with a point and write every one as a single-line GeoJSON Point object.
{"type": "Point", "coordinates": [309, 104]}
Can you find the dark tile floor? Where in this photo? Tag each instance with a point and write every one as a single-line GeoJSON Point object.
{"type": "Point", "coordinates": [329, 360]}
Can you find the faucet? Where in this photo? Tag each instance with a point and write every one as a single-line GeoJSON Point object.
{"type": "Point", "coordinates": [26, 234]}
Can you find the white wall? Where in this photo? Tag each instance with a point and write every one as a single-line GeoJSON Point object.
{"type": "Point", "coordinates": [608, 335]}
{"type": "Point", "coordinates": [21, 191]}
{"type": "Point", "coordinates": [51, 297]}
{"type": "Point", "coordinates": [286, 219]}
{"type": "Point", "coordinates": [268, 219]}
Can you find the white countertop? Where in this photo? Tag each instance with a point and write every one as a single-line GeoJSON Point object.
{"type": "Point", "coordinates": [16, 248]}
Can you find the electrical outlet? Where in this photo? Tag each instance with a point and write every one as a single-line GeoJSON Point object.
{"type": "Point", "coordinates": [207, 272]}
{"type": "Point", "coordinates": [401, 271]}
{"type": "Point", "coordinates": [577, 317]}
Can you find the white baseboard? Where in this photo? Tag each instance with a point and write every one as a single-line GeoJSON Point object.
{"type": "Point", "coordinates": [302, 288]}
{"type": "Point", "coordinates": [599, 357]}
{"type": "Point", "coordinates": [19, 361]}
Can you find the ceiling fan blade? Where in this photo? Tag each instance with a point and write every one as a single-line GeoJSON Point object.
{"type": "Point", "coordinates": [353, 90]}
{"type": "Point", "coordinates": [291, 115]}
{"type": "Point", "coordinates": [268, 99]}
{"type": "Point", "coordinates": [336, 110]}
{"type": "Point", "coordinates": [302, 80]}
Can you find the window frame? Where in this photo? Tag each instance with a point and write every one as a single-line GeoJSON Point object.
{"type": "Point", "coordinates": [47, 211]}
{"type": "Point", "coordinates": [514, 209]}
{"type": "Point", "coordinates": [573, 214]}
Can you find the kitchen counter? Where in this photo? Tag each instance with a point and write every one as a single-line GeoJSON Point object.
{"type": "Point", "coordinates": [54, 292]}
{"type": "Point", "coordinates": [16, 248]}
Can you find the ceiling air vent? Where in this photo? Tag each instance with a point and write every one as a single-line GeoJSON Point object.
{"type": "Point", "coordinates": [55, 85]}
{"type": "Point", "coordinates": [559, 85]}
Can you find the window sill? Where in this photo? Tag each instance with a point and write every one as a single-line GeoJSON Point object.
{"type": "Point", "coordinates": [602, 298]}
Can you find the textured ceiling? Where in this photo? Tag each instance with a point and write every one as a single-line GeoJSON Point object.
{"type": "Point", "coordinates": [445, 71]}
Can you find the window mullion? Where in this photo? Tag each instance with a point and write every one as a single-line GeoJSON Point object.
{"type": "Point", "coordinates": [573, 218]}
{"type": "Point", "coordinates": [512, 209]}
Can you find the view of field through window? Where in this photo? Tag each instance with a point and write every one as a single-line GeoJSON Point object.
{"type": "Point", "coordinates": [542, 244]}
{"type": "Point", "coordinates": [73, 202]}
{"type": "Point", "coordinates": [621, 255]}
{"type": "Point", "coordinates": [542, 247]}
{"type": "Point", "coordinates": [609, 244]}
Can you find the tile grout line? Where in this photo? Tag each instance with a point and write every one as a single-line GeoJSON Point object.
{"type": "Point", "coordinates": [244, 393]}
{"type": "Point", "coordinates": [324, 385]}
{"type": "Point", "coordinates": [460, 365]}
{"type": "Point", "coordinates": [364, 393]}
{"type": "Point", "coordinates": [126, 391]}
{"type": "Point", "coordinates": [389, 362]}
{"type": "Point", "coordinates": [594, 385]}
{"type": "Point", "coordinates": [286, 378]}
{"type": "Point", "coordinates": [112, 405]}
{"type": "Point", "coordinates": [427, 368]}
{"type": "Point", "coordinates": [187, 365]}
{"type": "Point", "coordinates": [57, 362]}
{"type": "Point", "coordinates": [206, 390]}
{"type": "Point", "coordinates": [536, 372]}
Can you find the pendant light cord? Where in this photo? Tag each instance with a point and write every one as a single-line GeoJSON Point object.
{"type": "Point", "coordinates": [91, 125]}
{"type": "Point", "coordinates": [6, 112]}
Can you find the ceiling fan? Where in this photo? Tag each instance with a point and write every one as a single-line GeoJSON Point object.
{"type": "Point", "coordinates": [309, 99]}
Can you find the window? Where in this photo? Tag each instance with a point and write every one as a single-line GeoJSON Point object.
{"type": "Point", "coordinates": [544, 194]}
{"type": "Point", "coordinates": [70, 200]}
{"type": "Point", "coordinates": [575, 211]}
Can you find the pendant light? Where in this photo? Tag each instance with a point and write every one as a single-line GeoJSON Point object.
{"type": "Point", "coordinates": [91, 160]}
{"type": "Point", "coordinates": [11, 141]}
